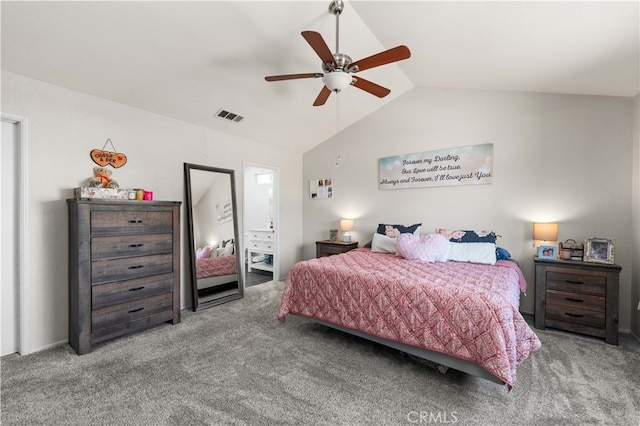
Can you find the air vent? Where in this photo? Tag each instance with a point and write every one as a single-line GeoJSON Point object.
{"type": "Point", "coordinates": [229, 116]}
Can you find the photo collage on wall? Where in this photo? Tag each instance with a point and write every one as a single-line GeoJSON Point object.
{"type": "Point", "coordinates": [321, 188]}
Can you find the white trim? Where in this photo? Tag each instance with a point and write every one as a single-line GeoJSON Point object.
{"type": "Point", "coordinates": [23, 235]}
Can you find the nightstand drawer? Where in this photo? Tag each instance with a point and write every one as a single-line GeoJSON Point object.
{"type": "Point", "coordinates": [329, 248]}
{"type": "Point", "coordinates": [576, 300]}
{"type": "Point", "coordinates": [575, 315]}
{"type": "Point", "coordinates": [573, 282]}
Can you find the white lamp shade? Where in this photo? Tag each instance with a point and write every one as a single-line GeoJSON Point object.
{"type": "Point", "coordinates": [545, 231]}
{"type": "Point", "coordinates": [337, 80]}
{"type": "Point", "coordinates": [346, 225]}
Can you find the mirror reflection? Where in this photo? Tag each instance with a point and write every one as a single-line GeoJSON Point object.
{"type": "Point", "coordinates": [213, 235]}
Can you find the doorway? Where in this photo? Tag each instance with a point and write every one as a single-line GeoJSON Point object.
{"type": "Point", "coordinates": [10, 236]}
{"type": "Point", "coordinates": [260, 223]}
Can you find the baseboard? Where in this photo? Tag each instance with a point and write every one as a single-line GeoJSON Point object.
{"type": "Point", "coordinates": [44, 348]}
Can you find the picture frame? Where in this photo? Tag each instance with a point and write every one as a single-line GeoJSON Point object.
{"type": "Point", "coordinates": [547, 252]}
{"type": "Point", "coordinates": [599, 250]}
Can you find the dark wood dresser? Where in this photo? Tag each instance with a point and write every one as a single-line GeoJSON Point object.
{"type": "Point", "coordinates": [328, 247]}
{"type": "Point", "coordinates": [576, 296]}
{"type": "Point", "coordinates": [124, 268]}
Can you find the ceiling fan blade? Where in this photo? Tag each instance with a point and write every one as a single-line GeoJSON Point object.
{"type": "Point", "coordinates": [395, 54]}
{"type": "Point", "coordinates": [318, 44]}
{"type": "Point", "coordinates": [322, 97]}
{"type": "Point", "coordinates": [293, 76]}
{"type": "Point", "coordinates": [370, 87]}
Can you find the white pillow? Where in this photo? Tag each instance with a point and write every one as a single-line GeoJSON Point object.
{"type": "Point", "coordinates": [226, 250]}
{"type": "Point", "coordinates": [383, 244]}
{"type": "Point", "coordinates": [473, 252]}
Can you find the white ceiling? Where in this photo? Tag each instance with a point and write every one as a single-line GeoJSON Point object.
{"type": "Point", "coordinates": [187, 60]}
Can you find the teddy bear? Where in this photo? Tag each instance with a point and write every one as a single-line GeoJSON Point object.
{"type": "Point", "coordinates": [391, 232]}
{"type": "Point", "coordinates": [102, 179]}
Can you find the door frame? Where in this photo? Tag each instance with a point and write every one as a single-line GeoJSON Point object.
{"type": "Point", "coordinates": [276, 212]}
{"type": "Point", "coordinates": [23, 271]}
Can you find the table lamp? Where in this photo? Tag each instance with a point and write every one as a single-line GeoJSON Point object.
{"type": "Point", "coordinates": [346, 226]}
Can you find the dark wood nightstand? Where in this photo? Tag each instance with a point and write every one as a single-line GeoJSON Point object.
{"type": "Point", "coordinates": [576, 296]}
{"type": "Point", "coordinates": [328, 248]}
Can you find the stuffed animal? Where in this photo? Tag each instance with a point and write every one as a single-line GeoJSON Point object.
{"type": "Point", "coordinates": [102, 179]}
{"type": "Point", "coordinates": [391, 232]}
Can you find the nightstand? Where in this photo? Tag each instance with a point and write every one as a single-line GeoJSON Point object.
{"type": "Point", "coordinates": [576, 296]}
{"type": "Point", "coordinates": [328, 248]}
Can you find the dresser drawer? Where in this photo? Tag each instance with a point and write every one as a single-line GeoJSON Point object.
{"type": "Point", "coordinates": [261, 235]}
{"type": "Point", "coordinates": [576, 300]}
{"type": "Point", "coordinates": [575, 315]}
{"type": "Point", "coordinates": [261, 245]}
{"type": "Point", "coordinates": [106, 270]}
{"type": "Point", "coordinates": [130, 245]}
{"type": "Point", "coordinates": [574, 282]}
{"type": "Point", "coordinates": [126, 291]}
{"type": "Point", "coordinates": [119, 315]}
{"type": "Point", "coordinates": [130, 222]}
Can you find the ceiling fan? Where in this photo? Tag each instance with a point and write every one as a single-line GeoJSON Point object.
{"type": "Point", "coordinates": [338, 68]}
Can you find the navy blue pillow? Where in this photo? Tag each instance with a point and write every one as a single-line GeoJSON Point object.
{"type": "Point", "coordinates": [403, 229]}
{"type": "Point", "coordinates": [502, 254]}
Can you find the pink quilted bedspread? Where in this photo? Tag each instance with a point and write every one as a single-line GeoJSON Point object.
{"type": "Point", "coordinates": [214, 266]}
{"type": "Point", "coordinates": [466, 310]}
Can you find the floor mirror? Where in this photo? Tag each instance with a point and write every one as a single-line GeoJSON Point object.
{"type": "Point", "coordinates": [214, 243]}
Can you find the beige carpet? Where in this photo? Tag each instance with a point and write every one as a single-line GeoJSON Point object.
{"type": "Point", "coordinates": [235, 364]}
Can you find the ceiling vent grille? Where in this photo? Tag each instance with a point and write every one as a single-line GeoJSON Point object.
{"type": "Point", "coordinates": [229, 116]}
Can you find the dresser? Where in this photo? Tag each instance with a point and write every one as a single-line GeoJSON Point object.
{"type": "Point", "coordinates": [577, 296]}
{"type": "Point", "coordinates": [261, 249]}
{"type": "Point", "coordinates": [328, 247]}
{"type": "Point", "coordinates": [124, 268]}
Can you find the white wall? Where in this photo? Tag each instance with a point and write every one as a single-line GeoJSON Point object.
{"type": "Point", "coordinates": [556, 158]}
{"type": "Point", "coordinates": [635, 197]}
{"type": "Point", "coordinates": [63, 127]}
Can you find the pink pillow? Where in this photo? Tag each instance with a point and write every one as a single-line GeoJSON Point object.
{"type": "Point", "coordinates": [203, 253]}
{"type": "Point", "coordinates": [430, 248]}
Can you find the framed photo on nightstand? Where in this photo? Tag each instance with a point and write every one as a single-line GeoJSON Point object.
{"type": "Point", "coordinates": [547, 252]}
{"type": "Point", "coordinates": [600, 250]}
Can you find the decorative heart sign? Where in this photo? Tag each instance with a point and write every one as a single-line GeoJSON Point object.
{"type": "Point", "coordinates": [104, 158]}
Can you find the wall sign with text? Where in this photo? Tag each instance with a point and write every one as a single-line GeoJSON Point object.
{"type": "Point", "coordinates": [467, 165]}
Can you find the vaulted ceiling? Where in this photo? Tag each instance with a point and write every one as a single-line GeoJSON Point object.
{"type": "Point", "coordinates": [188, 60]}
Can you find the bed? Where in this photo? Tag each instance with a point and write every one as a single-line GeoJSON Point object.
{"type": "Point", "coordinates": [460, 315]}
{"type": "Point", "coordinates": [214, 271]}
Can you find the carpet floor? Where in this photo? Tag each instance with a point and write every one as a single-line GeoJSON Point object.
{"type": "Point", "coordinates": [235, 364]}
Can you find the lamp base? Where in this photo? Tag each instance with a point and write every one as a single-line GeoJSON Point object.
{"type": "Point", "coordinates": [346, 238]}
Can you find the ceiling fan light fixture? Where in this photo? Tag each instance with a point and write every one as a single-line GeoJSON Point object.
{"type": "Point", "coordinates": [337, 81]}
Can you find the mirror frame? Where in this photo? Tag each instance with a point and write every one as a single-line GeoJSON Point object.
{"type": "Point", "coordinates": [197, 304]}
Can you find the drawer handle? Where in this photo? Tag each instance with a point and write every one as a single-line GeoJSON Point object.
{"type": "Point", "coordinates": [136, 288]}
{"type": "Point", "coordinates": [135, 221]}
{"type": "Point", "coordinates": [135, 245]}
{"type": "Point", "coordinates": [573, 315]}
{"type": "Point", "coordinates": [570, 299]}
{"type": "Point", "coordinates": [136, 267]}
{"type": "Point", "coordinates": [573, 282]}
{"type": "Point", "coordinates": [135, 310]}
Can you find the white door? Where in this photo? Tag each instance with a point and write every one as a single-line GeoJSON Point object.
{"type": "Point", "coordinates": [9, 241]}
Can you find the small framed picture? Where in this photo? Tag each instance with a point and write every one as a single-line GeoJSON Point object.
{"type": "Point", "coordinates": [547, 252]}
{"type": "Point", "coordinates": [600, 250]}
